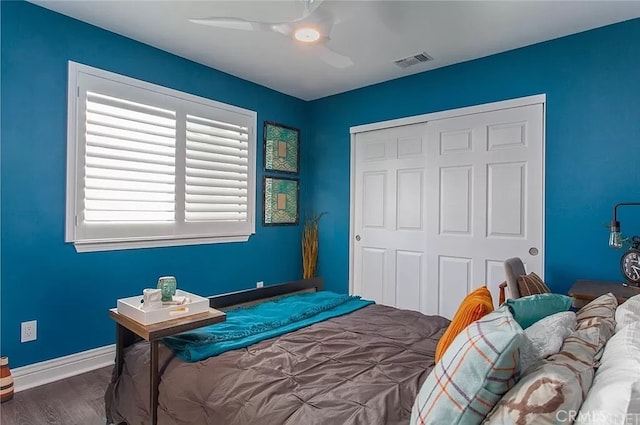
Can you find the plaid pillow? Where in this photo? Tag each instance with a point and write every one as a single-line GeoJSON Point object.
{"type": "Point", "coordinates": [531, 284]}
{"type": "Point", "coordinates": [480, 366]}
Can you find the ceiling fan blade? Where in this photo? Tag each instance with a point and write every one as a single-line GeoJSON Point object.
{"type": "Point", "coordinates": [332, 58]}
{"type": "Point", "coordinates": [234, 23]}
{"type": "Point", "coordinates": [310, 6]}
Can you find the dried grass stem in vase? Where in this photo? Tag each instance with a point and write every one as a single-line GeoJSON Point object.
{"type": "Point", "coordinates": [310, 246]}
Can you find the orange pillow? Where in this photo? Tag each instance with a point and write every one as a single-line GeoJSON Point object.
{"type": "Point", "coordinates": [475, 305]}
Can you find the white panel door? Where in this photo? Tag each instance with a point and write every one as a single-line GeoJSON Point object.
{"type": "Point", "coordinates": [389, 217]}
{"type": "Point", "coordinates": [485, 191]}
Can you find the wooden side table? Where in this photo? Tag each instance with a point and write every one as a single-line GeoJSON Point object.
{"type": "Point", "coordinates": [587, 290]}
{"type": "Point", "coordinates": [127, 331]}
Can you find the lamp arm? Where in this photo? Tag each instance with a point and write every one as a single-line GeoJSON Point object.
{"type": "Point", "coordinates": [615, 209]}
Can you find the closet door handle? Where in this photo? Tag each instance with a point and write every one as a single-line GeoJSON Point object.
{"type": "Point", "coordinates": [358, 238]}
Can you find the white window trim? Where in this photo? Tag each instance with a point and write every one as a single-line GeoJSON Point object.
{"type": "Point", "coordinates": [75, 69]}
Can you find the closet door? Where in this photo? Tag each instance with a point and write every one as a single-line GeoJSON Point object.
{"type": "Point", "coordinates": [485, 200]}
{"type": "Point", "coordinates": [437, 207]}
{"type": "Point", "coordinates": [388, 230]}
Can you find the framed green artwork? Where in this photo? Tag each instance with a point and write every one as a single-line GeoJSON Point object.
{"type": "Point", "coordinates": [281, 148]}
{"type": "Point", "coordinates": [280, 206]}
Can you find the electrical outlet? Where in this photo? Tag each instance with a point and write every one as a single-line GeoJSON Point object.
{"type": "Point", "coordinates": [259, 284]}
{"type": "Point", "coordinates": [29, 331]}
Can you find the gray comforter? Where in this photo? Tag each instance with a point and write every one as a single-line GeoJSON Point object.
{"type": "Point", "coordinates": [362, 368]}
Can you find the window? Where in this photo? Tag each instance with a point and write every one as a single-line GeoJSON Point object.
{"type": "Point", "coordinates": [150, 166]}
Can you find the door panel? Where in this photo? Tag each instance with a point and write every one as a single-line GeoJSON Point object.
{"type": "Point", "coordinates": [372, 271]}
{"type": "Point", "coordinates": [390, 216]}
{"type": "Point", "coordinates": [494, 270]}
{"type": "Point", "coordinates": [410, 146]}
{"type": "Point", "coordinates": [455, 200]}
{"type": "Point", "coordinates": [410, 194]}
{"type": "Point", "coordinates": [505, 136]}
{"type": "Point", "coordinates": [506, 187]}
{"type": "Point", "coordinates": [454, 281]}
{"type": "Point", "coordinates": [373, 198]}
{"type": "Point", "coordinates": [502, 195]}
{"type": "Point", "coordinates": [409, 278]}
{"type": "Point", "coordinates": [455, 141]}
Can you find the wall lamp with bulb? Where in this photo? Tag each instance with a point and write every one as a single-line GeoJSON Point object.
{"type": "Point", "coordinates": [615, 237]}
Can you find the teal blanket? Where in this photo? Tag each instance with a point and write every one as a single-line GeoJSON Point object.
{"type": "Point", "coordinates": [246, 326]}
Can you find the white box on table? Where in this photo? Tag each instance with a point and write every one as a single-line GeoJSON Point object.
{"type": "Point", "coordinates": [131, 307]}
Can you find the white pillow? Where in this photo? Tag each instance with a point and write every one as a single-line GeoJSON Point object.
{"type": "Point", "coordinates": [610, 396]}
{"type": "Point", "coordinates": [545, 337]}
{"type": "Point", "coordinates": [634, 404]}
{"type": "Point", "coordinates": [628, 312]}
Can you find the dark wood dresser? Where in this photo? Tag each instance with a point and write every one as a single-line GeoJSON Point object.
{"type": "Point", "coordinates": [587, 290]}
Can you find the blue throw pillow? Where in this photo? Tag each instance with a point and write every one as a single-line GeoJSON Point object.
{"type": "Point", "coordinates": [528, 310]}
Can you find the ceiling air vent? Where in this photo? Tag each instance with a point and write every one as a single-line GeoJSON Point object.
{"type": "Point", "coordinates": [412, 60]}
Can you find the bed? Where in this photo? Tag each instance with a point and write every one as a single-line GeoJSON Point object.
{"type": "Point", "coordinates": [363, 367]}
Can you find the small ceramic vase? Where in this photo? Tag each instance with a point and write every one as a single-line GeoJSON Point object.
{"type": "Point", "coordinates": [6, 380]}
{"type": "Point", "coordinates": [167, 284]}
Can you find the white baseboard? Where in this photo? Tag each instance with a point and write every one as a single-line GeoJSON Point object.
{"type": "Point", "coordinates": [37, 374]}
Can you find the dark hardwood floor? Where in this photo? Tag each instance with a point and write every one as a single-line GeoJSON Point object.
{"type": "Point", "coordinates": [78, 400]}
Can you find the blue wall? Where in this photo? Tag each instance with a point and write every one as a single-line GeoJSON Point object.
{"type": "Point", "coordinates": [592, 141]}
{"type": "Point", "coordinates": [45, 279]}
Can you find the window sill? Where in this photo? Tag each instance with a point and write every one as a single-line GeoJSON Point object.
{"type": "Point", "coordinates": [95, 246]}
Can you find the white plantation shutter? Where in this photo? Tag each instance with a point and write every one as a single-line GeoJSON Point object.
{"type": "Point", "coordinates": [217, 171]}
{"type": "Point", "coordinates": [129, 161]}
{"type": "Point", "coordinates": [150, 166]}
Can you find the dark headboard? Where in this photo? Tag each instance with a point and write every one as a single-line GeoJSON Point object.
{"type": "Point", "coordinates": [249, 296]}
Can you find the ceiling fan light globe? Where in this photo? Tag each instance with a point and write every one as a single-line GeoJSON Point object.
{"type": "Point", "coordinates": [307, 34]}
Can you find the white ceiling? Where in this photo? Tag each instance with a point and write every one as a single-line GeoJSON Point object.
{"type": "Point", "coordinates": [373, 34]}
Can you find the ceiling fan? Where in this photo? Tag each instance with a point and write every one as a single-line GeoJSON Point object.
{"type": "Point", "coordinates": [313, 28]}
